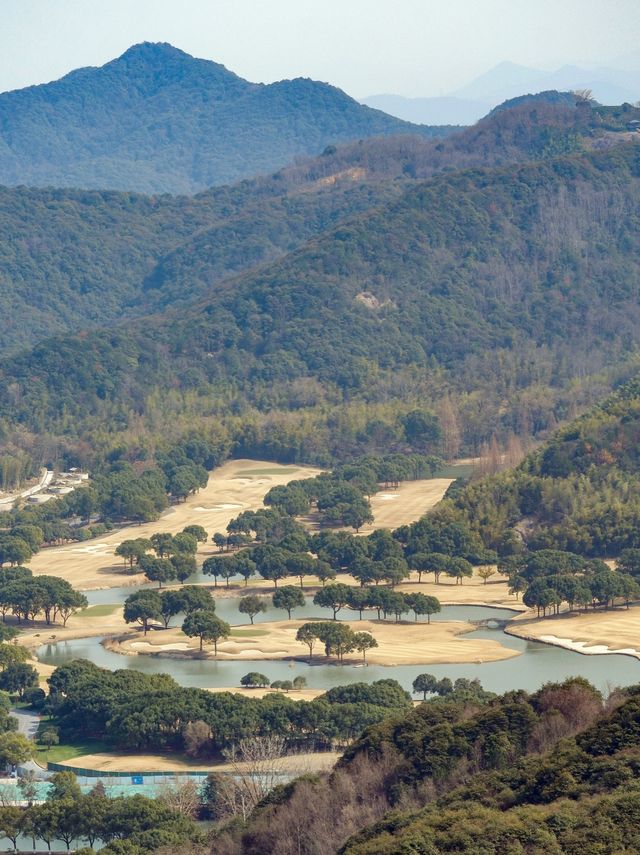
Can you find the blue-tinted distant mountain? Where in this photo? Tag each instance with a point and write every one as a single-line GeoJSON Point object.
{"type": "Point", "coordinates": [508, 80]}
{"type": "Point", "coordinates": [611, 85]}
{"type": "Point", "coordinates": [157, 119]}
{"type": "Point", "coordinates": [429, 111]}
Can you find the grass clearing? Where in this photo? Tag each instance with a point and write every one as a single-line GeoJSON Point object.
{"type": "Point", "coordinates": [102, 610]}
{"type": "Point", "coordinates": [65, 750]}
{"type": "Point", "coordinates": [454, 470]}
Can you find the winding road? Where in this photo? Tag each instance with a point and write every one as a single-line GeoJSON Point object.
{"type": "Point", "coordinates": [46, 477]}
{"type": "Point", "coordinates": [28, 723]}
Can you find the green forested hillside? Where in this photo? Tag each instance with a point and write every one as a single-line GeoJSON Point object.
{"type": "Point", "coordinates": [61, 249]}
{"type": "Point", "coordinates": [72, 260]}
{"type": "Point", "coordinates": [158, 120]}
{"type": "Point", "coordinates": [578, 492]}
{"type": "Point", "coordinates": [508, 281]}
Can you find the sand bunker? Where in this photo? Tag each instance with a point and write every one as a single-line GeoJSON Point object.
{"type": "Point", "coordinates": [592, 633]}
{"type": "Point", "coordinates": [585, 647]}
{"type": "Point", "coordinates": [144, 646]}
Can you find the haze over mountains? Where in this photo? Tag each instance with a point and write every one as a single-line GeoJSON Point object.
{"type": "Point", "coordinates": [158, 120]}
{"type": "Point", "coordinates": [464, 106]}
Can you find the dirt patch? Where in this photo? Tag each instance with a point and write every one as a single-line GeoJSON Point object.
{"type": "Point", "coordinates": [296, 763]}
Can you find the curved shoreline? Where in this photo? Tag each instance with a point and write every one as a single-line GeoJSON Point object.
{"type": "Point", "coordinates": [585, 648]}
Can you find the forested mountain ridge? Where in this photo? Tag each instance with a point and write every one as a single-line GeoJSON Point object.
{"type": "Point", "coordinates": [61, 249]}
{"type": "Point", "coordinates": [158, 120]}
{"type": "Point", "coordinates": [470, 277]}
{"type": "Point", "coordinates": [80, 259]}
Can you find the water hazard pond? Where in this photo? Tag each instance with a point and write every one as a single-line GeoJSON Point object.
{"type": "Point", "coordinates": [537, 664]}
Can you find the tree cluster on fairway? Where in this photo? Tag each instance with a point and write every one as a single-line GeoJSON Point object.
{"type": "Point", "coordinates": [174, 557]}
{"type": "Point", "coordinates": [29, 597]}
{"type": "Point", "coordinates": [256, 680]}
{"type": "Point", "coordinates": [550, 577]}
{"type": "Point", "coordinates": [146, 606]}
{"type": "Point", "coordinates": [338, 639]}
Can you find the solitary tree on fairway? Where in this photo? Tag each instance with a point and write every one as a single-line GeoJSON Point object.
{"type": "Point", "coordinates": [308, 635]}
{"type": "Point", "coordinates": [364, 641]}
{"type": "Point", "coordinates": [252, 605]}
{"type": "Point", "coordinates": [196, 531]}
{"type": "Point", "coordinates": [288, 597]}
{"type": "Point", "coordinates": [486, 572]}
{"type": "Point", "coordinates": [142, 607]}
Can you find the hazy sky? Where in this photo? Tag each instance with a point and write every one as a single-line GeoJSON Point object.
{"type": "Point", "coordinates": [411, 47]}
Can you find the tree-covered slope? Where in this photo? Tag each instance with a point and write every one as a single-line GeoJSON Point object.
{"type": "Point", "coordinates": [553, 772]}
{"type": "Point", "coordinates": [74, 259]}
{"type": "Point", "coordinates": [517, 263]}
{"type": "Point", "coordinates": [62, 249]}
{"type": "Point", "coordinates": [159, 120]}
{"type": "Point", "coordinates": [580, 491]}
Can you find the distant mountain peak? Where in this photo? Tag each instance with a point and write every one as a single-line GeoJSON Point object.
{"type": "Point", "coordinates": [162, 55]}
{"type": "Point", "coordinates": [152, 49]}
{"type": "Point", "coordinates": [156, 119]}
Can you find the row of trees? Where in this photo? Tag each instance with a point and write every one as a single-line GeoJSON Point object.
{"type": "Point", "coordinates": [28, 597]}
{"type": "Point", "coordinates": [370, 560]}
{"type": "Point", "coordinates": [383, 600]}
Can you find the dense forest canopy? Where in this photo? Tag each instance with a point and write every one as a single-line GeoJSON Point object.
{"type": "Point", "coordinates": [459, 292]}
{"type": "Point", "coordinates": [62, 249]}
{"type": "Point", "coordinates": [552, 772]}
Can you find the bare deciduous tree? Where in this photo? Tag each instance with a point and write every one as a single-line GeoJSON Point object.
{"type": "Point", "coordinates": [181, 796]}
{"type": "Point", "coordinates": [258, 764]}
